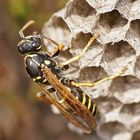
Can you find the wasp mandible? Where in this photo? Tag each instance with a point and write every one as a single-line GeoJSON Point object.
{"type": "Point", "coordinates": [64, 93]}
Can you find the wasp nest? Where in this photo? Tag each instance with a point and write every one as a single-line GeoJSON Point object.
{"type": "Point", "coordinates": [118, 23]}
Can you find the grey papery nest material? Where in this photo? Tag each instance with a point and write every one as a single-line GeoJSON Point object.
{"type": "Point", "coordinates": [118, 23]}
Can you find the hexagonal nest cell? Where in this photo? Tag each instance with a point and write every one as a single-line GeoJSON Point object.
{"type": "Point", "coordinates": [118, 131]}
{"type": "Point", "coordinates": [57, 30]}
{"type": "Point", "coordinates": [133, 35]}
{"type": "Point", "coordinates": [93, 54]}
{"type": "Point", "coordinates": [118, 24]}
{"type": "Point", "coordinates": [107, 104]}
{"type": "Point", "coordinates": [126, 89]}
{"type": "Point", "coordinates": [112, 20]}
{"type": "Point", "coordinates": [117, 55]}
{"type": "Point", "coordinates": [80, 16]}
{"type": "Point", "coordinates": [137, 67]}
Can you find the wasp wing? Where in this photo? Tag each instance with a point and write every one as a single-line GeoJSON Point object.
{"type": "Point", "coordinates": [72, 108]}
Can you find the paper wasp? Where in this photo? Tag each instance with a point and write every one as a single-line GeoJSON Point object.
{"type": "Point", "coordinates": [64, 93]}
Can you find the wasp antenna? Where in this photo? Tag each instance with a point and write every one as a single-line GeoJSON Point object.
{"type": "Point", "coordinates": [24, 27]}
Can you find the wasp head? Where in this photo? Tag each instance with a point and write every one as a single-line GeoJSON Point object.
{"type": "Point", "coordinates": [30, 44]}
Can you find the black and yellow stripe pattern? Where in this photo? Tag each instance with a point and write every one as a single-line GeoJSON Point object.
{"type": "Point", "coordinates": [85, 100]}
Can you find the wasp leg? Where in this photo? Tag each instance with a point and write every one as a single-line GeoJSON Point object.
{"type": "Point", "coordinates": [58, 48]}
{"type": "Point", "coordinates": [119, 73]}
{"type": "Point", "coordinates": [77, 57]}
{"type": "Point", "coordinates": [42, 97]}
{"type": "Point", "coordinates": [88, 84]}
{"type": "Point", "coordinates": [92, 84]}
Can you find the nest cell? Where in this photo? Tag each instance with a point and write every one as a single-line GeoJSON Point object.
{"type": "Point", "coordinates": [112, 20]}
{"type": "Point", "coordinates": [57, 30]}
{"type": "Point", "coordinates": [80, 16]}
{"type": "Point", "coordinates": [126, 89]}
{"type": "Point", "coordinates": [93, 54]}
{"type": "Point", "coordinates": [116, 129]}
{"type": "Point", "coordinates": [133, 35]}
{"type": "Point", "coordinates": [116, 56]}
{"type": "Point", "coordinates": [107, 104]}
{"type": "Point", "coordinates": [137, 67]}
{"type": "Point", "coordinates": [131, 109]}
{"type": "Point", "coordinates": [103, 6]}
{"type": "Point", "coordinates": [112, 27]}
{"type": "Point", "coordinates": [134, 10]}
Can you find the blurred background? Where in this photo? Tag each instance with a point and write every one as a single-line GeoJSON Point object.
{"type": "Point", "coordinates": [22, 116]}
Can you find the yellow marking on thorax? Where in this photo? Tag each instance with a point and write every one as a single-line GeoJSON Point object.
{"type": "Point", "coordinates": [47, 62]}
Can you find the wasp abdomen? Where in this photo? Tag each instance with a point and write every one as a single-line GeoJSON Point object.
{"type": "Point", "coordinates": [80, 95]}
{"type": "Point", "coordinates": [85, 100]}
{"type": "Point", "coordinates": [88, 102]}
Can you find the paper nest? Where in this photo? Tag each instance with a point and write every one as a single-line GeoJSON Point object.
{"type": "Point", "coordinates": [118, 23]}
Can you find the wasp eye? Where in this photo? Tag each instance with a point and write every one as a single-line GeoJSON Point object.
{"type": "Point", "coordinates": [36, 44]}
{"type": "Point", "coordinates": [24, 47]}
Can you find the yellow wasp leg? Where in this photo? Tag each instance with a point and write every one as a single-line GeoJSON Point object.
{"type": "Point", "coordinates": [119, 73]}
{"type": "Point", "coordinates": [92, 84]}
{"type": "Point", "coordinates": [58, 48]}
{"type": "Point", "coordinates": [77, 57]}
{"type": "Point", "coordinates": [88, 84]}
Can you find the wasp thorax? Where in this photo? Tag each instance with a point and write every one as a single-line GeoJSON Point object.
{"type": "Point", "coordinates": [29, 44]}
{"type": "Point", "coordinates": [33, 63]}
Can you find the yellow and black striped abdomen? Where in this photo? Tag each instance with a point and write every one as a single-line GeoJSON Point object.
{"type": "Point", "coordinates": [85, 100]}
{"type": "Point", "coordinates": [88, 102]}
